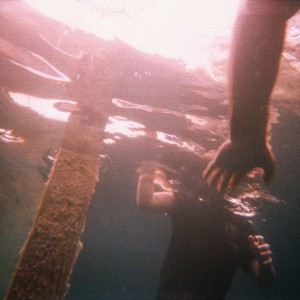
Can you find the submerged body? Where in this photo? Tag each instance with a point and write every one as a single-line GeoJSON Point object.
{"type": "Point", "coordinates": [207, 246]}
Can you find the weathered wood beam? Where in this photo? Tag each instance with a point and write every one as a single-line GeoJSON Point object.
{"type": "Point", "coordinates": [48, 256]}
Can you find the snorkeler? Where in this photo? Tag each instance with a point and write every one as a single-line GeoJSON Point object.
{"type": "Point", "coordinates": [258, 41]}
{"type": "Point", "coordinates": [208, 242]}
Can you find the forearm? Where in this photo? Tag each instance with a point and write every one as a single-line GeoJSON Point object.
{"type": "Point", "coordinates": [151, 201]}
{"type": "Point", "coordinates": [263, 273]}
{"type": "Point", "coordinates": [255, 55]}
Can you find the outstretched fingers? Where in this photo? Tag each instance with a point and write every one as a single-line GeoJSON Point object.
{"type": "Point", "coordinates": [238, 176]}
{"type": "Point", "coordinates": [222, 179]}
{"type": "Point", "coordinates": [228, 180]}
{"type": "Point", "coordinates": [209, 169]}
{"type": "Point", "coordinates": [215, 177]}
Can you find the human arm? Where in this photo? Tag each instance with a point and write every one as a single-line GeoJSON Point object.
{"type": "Point", "coordinates": [261, 265]}
{"type": "Point", "coordinates": [255, 55]}
{"type": "Point", "coordinates": [147, 199]}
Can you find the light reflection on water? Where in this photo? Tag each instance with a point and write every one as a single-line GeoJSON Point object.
{"type": "Point", "coordinates": [196, 24]}
{"type": "Point", "coordinates": [44, 107]}
{"type": "Point", "coordinates": [195, 132]}
{"type": "Point", "coordinates": [7, 136]}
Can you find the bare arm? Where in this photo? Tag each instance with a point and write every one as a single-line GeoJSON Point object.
{"type": "Point", "coordinates": [147, 199]}
{"type": "Point", "coordinates": [256, 50]}
{"type": "Point", "coordinates": [262, 267]}
{"type": "Point", "coordinates": [255, 56]}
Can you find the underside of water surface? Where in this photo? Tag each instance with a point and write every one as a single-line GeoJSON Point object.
{"type": "Point", "coordinates": [163, 112]}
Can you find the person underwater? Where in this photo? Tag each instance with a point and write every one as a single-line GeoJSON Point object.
{"type": "Point", "coordinates": [208, 243]}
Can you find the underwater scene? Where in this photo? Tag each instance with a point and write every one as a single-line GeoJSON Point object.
{"type": "Point", "coordinates": [71, 154]}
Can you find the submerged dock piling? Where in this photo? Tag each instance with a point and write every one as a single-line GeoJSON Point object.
{"type": "Point", "coordinates": [53, 244]}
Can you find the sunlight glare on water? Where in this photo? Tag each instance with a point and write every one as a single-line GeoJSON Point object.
{"type": "Point", "coordinates": [173, 28]}
{"type": "Point", "coordinates": [43, 107]}
{"type": "Point", "coordinates": [184, 30]}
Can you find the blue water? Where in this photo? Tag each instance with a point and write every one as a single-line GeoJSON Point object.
{"type": "Point", "coordinates": [124, 249]}
{"type": "Point", "coordinates": [155, 118]}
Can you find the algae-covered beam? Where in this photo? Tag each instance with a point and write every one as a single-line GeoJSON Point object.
{"type": "Point", "coordinates": [52, 247]}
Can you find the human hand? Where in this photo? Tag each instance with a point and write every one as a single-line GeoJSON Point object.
{"type": "Point", "coordinates": [260, 249]}
{"type": "Point", "coordinates": [233, 162]}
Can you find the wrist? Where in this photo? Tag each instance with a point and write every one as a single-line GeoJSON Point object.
{"type": "Point", "coordinates": [265, 262]}
{"type": "Point", "coordinates": [146, 177]}
{"type": "Point", "coordinates": [248, 142]}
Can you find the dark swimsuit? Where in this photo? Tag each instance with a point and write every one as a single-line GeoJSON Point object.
{"type": "Point", "coordinates": [207, 246]}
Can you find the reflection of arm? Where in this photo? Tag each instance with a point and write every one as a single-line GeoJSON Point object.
{"type": "Point", "coordinates": [257, 45]}
{"type": "Point", "coordinates": [151, 201]}
{"type": "Point", "coordinates": [22, 25]}
{"type": "Point", "coordinates": [18, 79]}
